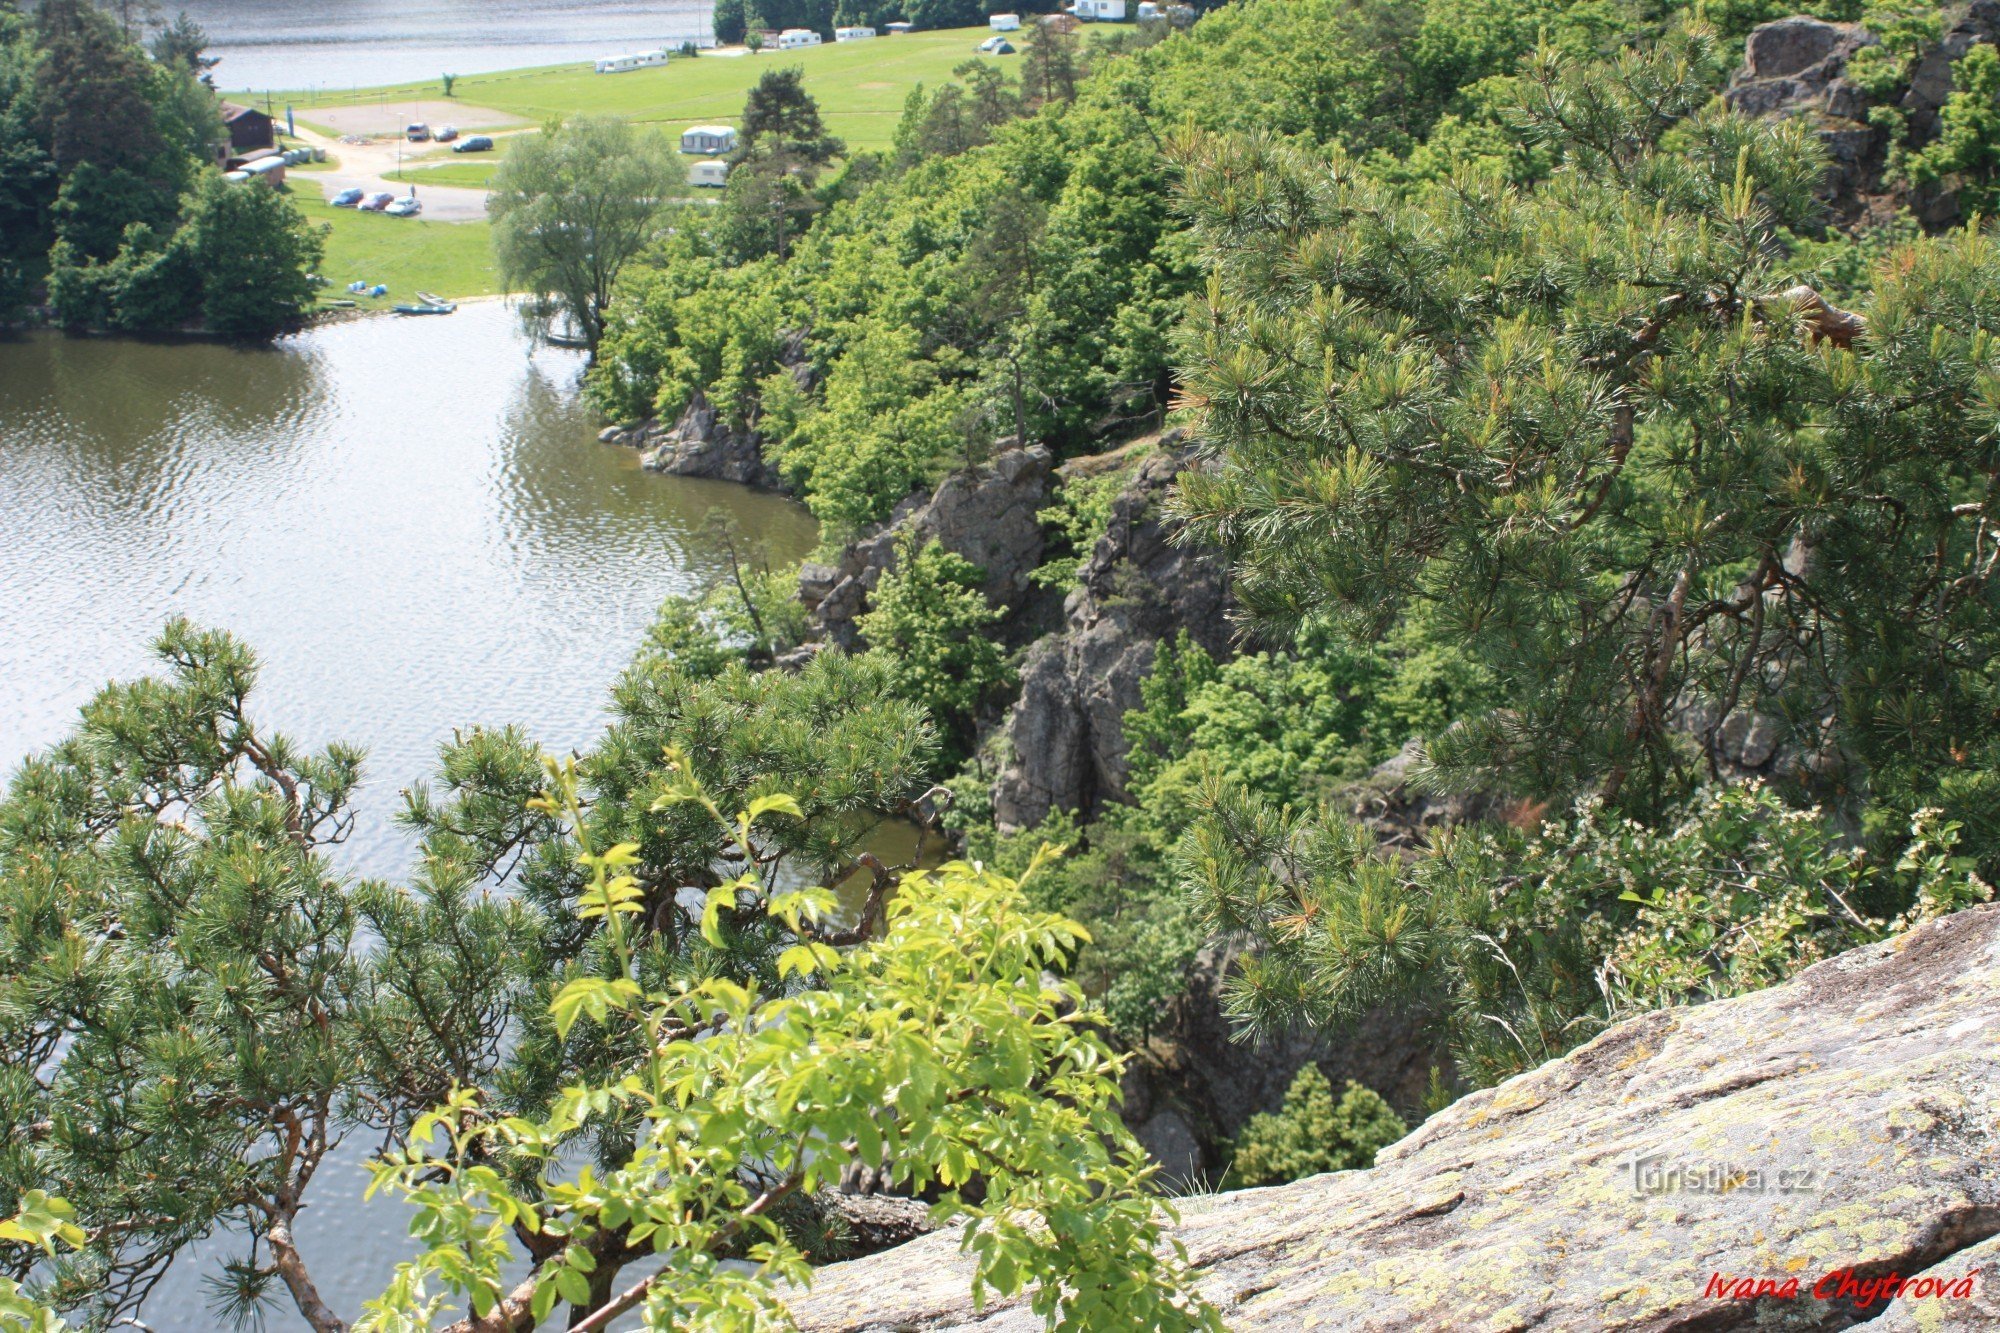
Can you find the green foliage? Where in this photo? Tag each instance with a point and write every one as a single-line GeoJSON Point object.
{"type": "Point", "coordinates": [186, 1001]}
{"type": "Point", "coordinates": [1313, 1133]}
{"type": "Point", "coordinates": [184, 43]}
{"type": "Point", "coordinates": [194, 1007]}
{"type": "Point", "coordinates": [572, 204]}
{"type": "Point", "coordinates": [1965, 156]}
{"type": "Point", "coordinates": [252, 249]}
{"type": "Point", "coordinates": [1076, 521]}
{"type": "Point", "coordinates": [1291, 727]}
{"type": "Point", "coordinates": [1905, 31]}
{"type": "Point", "coordinates": [930, 622]}
{"type": "Point", "coordinates": [1533, 415]}
{"type": "Point", "coordinates": [730, 21]}
{"type": "Point", "coordinates": [41, 1225]}
{"type": "Point", "coordinates": [781, 121]}
{"type": "Point", "coordinates": [236, 266]}
{"type": "Point", "coordinates": [938, 1051]}
{"type": "Point", "coordinates": [1524, 946]}
{"type": "Point", "coordinates": [92, 85]}
{"type": "Point", "coordinates": [108, 195]}
{"type": "Point", "coordinates": [782, 147]}
{"type": "Point", "coordinates": [1023, 285]}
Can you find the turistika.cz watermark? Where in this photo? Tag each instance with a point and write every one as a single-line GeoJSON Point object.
{"type": "Point", "coordinates": [1658, 1174]}
{"type": "Point", "coordinates": [1842, 1284]}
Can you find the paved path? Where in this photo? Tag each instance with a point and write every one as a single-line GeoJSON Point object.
{"type": "Point", "coordinates": [367, 167]}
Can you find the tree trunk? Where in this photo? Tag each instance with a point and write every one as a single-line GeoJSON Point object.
{"type": "Point", "coordinates": [292, 1268]}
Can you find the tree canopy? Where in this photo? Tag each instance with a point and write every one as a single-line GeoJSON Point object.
{"type": "Point", "coordinates": [572, 204]}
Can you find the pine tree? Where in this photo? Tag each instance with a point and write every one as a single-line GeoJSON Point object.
{"type": "Point", "coordinates": [195, 1008]}
{"type": "Point", "coordinates": [1616, 443]}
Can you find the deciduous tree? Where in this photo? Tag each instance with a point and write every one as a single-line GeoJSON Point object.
{"type": "Point", "coordinates": [571, 205]}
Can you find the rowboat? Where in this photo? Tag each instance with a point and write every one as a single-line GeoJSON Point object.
{"type": "Point", "coordinates": [430, 304]}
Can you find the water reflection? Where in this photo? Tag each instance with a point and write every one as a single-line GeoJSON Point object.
{"type": "Point", "coordinates": [410, 520]}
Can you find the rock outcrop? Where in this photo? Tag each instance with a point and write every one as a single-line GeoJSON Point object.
{"type": "Point", "coordinates": [1847, 1120]}
{"type": "Point", "coordinates": [1064, 745]}
{"type": "Point", "coordinates": [986, 514]}
{"type": "Point", "coordinates": [700, 443]}
{"type": "Point", "coordinates": [1798, 66]}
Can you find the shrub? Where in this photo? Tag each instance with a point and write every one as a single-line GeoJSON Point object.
{"type": "Point", "coordinates": [1312, 1133]}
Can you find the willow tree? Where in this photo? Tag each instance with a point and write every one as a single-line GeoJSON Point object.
{"type": "Point", "coordinates": [572, 204]}
{"type": "Point", "coordinates": [1690, 513]}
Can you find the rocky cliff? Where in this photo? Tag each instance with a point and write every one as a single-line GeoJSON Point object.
{"type": "Point", "coordinates": [987, 514]}
{"type": "Point", "coordinates": [1064, 741]}
{"type": "Point", "coordinates": [1798, 66]}
{"type": "Point", "coordinates": [1847, 1122]}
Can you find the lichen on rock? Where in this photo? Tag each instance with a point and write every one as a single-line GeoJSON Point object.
{"type": "Point", "coordinates": [1846, 1120]}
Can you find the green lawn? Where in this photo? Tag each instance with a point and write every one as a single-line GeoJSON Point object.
{"type": "Point", "coordinates": [860, 86]}
{"type": "Point", "coordinates": [404, 254]}
{"type": "Point", "coordinates": [477, 174]}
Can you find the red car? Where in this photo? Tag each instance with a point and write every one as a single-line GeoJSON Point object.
{"type": "Point", "coordinates": [375, 203]}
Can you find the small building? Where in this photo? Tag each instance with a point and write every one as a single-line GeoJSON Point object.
{"type": "Point", "coordinates": [852, 34]}
{"type": "Point", "coordinates": [1004, 22]}
{"type": "Point", "coordinates": [898, 28]}
{"type": "Point", "coordinates": [709, 174]}
{"type": "Point", "coordinates": [640, 60]}
{"type": "Point", "coordinates": [248, 129]}
{"type": "Point", "coordinates": [1100, 11]}
{"type": "Point", "coordinates": [708, 139]}
{"type": "Point", "coordinates": [791, 39]}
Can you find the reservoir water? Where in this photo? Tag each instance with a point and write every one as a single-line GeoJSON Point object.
{"type": "Point", "coordinates": [304, 44]}
{"type": "Point", "coordinates": [412, 523]}
{"type": "Point", "coordinates": [410, 520]}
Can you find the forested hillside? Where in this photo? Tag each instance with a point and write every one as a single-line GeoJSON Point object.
{"type": "Point", "coordinates": [113, 211]}
{"type": "Point", "coordinates": [1389, 537]}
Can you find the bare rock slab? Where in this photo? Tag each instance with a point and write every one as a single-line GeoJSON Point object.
{"type": "Point", "coordinates": [1847, 1120]}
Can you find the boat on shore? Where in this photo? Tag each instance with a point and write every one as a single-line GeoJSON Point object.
{"type": "Point", "coordinates": [427, 303]}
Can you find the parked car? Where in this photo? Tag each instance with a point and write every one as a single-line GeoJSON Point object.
{"type": "Point", "coordinates": [445, 133]}
{"type": "Point", "coordinates": [995, 46]}
{"type": "Point", "coordinates": [406, 207]}
{"type": "Point", "coordinates": [347, 198]}
{"type": "Point", "coordinates": [477, 143]}
{"type": "Point", "coordinates": [418, 132]}
{"type": "Point", "coordinates": [375, 203]}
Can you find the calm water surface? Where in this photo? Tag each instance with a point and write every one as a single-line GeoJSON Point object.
{"type": "Point", "coordinates": [412, 523]}
{"type": "Point", "coordinates": [410, 520]}
{"type": "Point", "coordinates": [303, 44]}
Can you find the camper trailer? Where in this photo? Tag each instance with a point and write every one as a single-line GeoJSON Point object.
{"type": "Point", "coordinates": [791, 39]}
{"type": "Point", "coordinates": [709, 139]}
{"type": "Point", "coordinates": [620, 64]}
{"type": "Point", "coordinates": [852, 34]}
{"type": "Point", "coordinates": [710, 174]}
{"type": "Point", "coordinates": [1102, 11]}
{"type": "Point", "coordinates": [1004, 23]}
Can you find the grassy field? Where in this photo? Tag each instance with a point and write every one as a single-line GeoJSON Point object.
{"type": "Point", "coordinates": [476, 174]}
{"type": "Point", "coordinates": [406, 255]}
{"type": "Point", "coordinates": [860, 86]}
